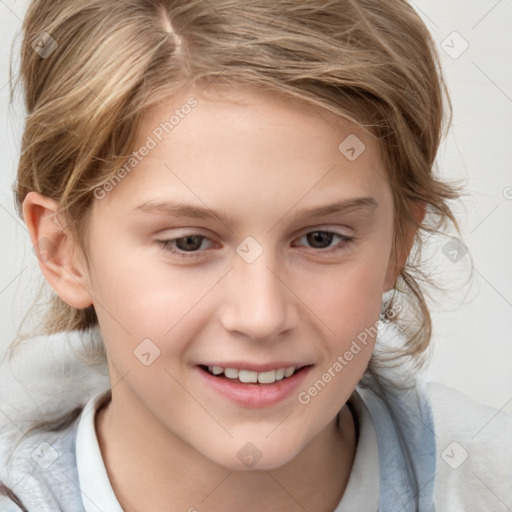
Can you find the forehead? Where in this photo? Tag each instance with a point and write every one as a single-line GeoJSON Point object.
{"type": "Point", "coordinates": [249, 144]}
{"type": "Point", "coordinates": [248, 113]}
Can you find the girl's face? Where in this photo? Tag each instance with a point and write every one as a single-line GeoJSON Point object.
{"type": "Point", "coordinates": [255, 236]}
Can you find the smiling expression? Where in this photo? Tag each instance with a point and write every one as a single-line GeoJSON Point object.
{"type": "Point", "coordinates": [246, 239]}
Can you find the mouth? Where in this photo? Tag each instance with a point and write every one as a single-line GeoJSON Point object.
{"type": "Point", "coordinates": [252, 377]}
{"type": "Point", "coordinates": [253, 389]}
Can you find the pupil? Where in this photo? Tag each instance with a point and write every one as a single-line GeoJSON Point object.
{"type": "Point", "coordinates": [317, 238]}
{"type": "Point", "coordinates": [193, 242]}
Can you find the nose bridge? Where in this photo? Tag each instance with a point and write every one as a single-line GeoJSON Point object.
{"type": "Point", "coordinates": [258, 304]}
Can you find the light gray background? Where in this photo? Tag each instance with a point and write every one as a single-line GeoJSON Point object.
{"type": "Point", "coordinates": [472, 326]}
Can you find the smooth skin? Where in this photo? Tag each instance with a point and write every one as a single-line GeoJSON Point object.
{"type": "Point", "coordinates": [169, 442]}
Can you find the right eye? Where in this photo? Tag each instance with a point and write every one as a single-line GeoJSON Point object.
{"type": "Point", "coordinates": [184, 244]}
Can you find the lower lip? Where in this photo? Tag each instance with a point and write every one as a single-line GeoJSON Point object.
{"type": "Point", "coordinates": [255, 394]}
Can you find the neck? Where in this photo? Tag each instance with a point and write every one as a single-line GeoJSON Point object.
{"type": "Point", "coordinates": [147, 473]}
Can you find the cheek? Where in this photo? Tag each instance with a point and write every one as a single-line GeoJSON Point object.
{"type": "Point", "coordinates": [348, 303]}
{"type": "Point", "coordinates": [141, 298]}
{"type": "Point", "coordinates": [134, 299]}
{"type": "Point", "coordinates": [347, 298]}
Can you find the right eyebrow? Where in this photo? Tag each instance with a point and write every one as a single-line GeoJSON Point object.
{"type": "Point", "coordinates": [177, 209]}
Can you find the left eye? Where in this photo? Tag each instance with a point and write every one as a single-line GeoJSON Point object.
{"type": "Point", "coordinates": [323, 239]}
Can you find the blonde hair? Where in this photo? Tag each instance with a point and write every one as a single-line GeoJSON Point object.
{"type": "Point", "coordinates": [368, 61]}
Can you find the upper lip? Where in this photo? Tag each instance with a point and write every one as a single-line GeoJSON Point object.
{"type": "Point", "coordinates": [265, 367]}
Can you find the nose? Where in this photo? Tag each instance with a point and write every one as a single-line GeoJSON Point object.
{"type": "Point", "coordinates": [258, 304]}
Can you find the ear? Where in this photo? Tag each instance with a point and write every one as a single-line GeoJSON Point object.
{"type": "Point", "coordinates": [418, 210]}
{"type": "Point", "coordinates": [57, 254]}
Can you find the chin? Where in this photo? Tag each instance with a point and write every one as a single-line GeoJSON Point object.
{"type": "Point", "coordinates": [255, 456]}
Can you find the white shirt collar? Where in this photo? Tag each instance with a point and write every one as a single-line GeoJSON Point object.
{"type": "Point", "coordinates": [363, 488]}
{"type": "Point", "coordinates": [97, 492]}
{"type": "Point", "coordinates": [361, 493]}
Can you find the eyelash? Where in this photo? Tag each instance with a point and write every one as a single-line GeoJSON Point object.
{"type": "Point", "coordinates": [166, 244]}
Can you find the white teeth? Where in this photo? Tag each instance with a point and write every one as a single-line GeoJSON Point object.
{"type": "Point", "coordinates": [267, 377]}
{"type": "Point", "coordinates": [289, 371]}
{"type": "Point", "coordinates": [249, 376]}
{"type": "Point", "coordinates": [231, 373]}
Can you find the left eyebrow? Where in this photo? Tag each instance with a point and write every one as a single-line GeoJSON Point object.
{"type": "Point", "coordinates": [356, 203]}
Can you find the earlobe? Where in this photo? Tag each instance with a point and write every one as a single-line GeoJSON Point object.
{"type": "Point", "coordinates": [57, 255]}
